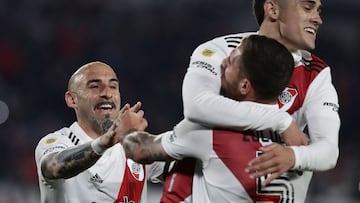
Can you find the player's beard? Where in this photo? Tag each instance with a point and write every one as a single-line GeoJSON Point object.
{"type": "Point", "coordinates": [105, 124]}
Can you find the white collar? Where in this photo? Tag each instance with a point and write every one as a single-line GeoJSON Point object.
{"type": "Point", "coordinates": [79, 132]}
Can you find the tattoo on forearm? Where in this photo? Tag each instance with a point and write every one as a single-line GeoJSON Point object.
{"type": "Point", "coordinates": [157, 153]}
{"type": "Point", "coordinates": [70, 162]}
{"type": "Point", "coordinates": [144, 148]}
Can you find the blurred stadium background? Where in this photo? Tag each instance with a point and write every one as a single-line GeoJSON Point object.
{"type": "Point", "coordinates": [149, 44]}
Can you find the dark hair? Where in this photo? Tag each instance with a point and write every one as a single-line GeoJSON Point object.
{"type": "Point", "coordinates": [258, 10]}
{"type": "Point", "coordinates": [268, 65]}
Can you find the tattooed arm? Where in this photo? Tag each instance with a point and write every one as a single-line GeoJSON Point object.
{"type": "Point", "coordinates": [72, 161]}
{"type": "Point", "coordinates": [144, 148]}
{"type": "Point", "coordinates": [69, 163]}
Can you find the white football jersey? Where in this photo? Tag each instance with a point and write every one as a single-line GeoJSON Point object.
{"type": "Point", "coordinates": [223, 156]}
{"type": "Point", "coordinates": [310, 98]}
{"type": "Point", "coordinates": [113, 178]}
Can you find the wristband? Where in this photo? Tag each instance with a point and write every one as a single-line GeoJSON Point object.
{"type": "Point", "coordinates": [97, 148]}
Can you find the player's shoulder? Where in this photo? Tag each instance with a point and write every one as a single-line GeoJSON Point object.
{"type": "Point", "coordinates": [54, 141]}
{"type": "Point", "coordinates": [229, 40]}
{"type": "Point", "coordinates": [55, 136]}
{"type": "Point", "coordinates": [310, 69]}
{"type": "Point", "coordinates": [312, 62]}
{"type": "Point", "coordinates": [222, 45]}
{"type": "Point", "coordinates": [63, 132]}
{"type": "Point", "coordinates": [233, 40]}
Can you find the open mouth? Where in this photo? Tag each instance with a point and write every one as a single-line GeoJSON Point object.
{"type": "Point", "coordinates": [105, 106]}
{"type": "Point", "coordinates": [311, 31]}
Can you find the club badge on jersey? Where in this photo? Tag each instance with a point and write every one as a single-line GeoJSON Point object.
{"type": "Point", "coordinates": [137, 170]}
{"type": "Point", "coordinates": [287, 98]}
{"type": "Point", "coordinates": [132, 185]}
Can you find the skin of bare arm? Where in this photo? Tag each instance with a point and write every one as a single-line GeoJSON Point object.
{"type": "Point", "coordinates": [144, 148]}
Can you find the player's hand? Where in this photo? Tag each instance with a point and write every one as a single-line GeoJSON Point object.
{"type": "Point", "coordinates": [130, 119]}
{"type": "Point", "coordinates": [136, 107]}
{"type": "Point", "coordinates": [275, 160]}
{"type": "Point", "coordinates": [109, 138]}
{"type": "Point", "coordinates": [293, 136]}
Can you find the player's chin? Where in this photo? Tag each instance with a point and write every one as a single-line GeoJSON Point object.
{"type": "Point", "coordinates": [310, 46]}
{"type": "Point", "coordinates": [309, 43]}
{"type": "Point", "coordinates": [105, 117]}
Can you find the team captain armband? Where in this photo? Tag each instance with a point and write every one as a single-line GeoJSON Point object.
{"type": "Point", "coordinates": [96, 146]}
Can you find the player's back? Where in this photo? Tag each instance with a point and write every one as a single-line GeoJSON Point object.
{"type": "Point", "coordinates": [222, 178]}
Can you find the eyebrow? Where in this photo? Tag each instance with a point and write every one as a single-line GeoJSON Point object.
{"type": "Point", "coordinates": [312, 2]}
{"type": "Point", "coordinates": [98, 81]}
{"type": "Point", "coordinates": [309, 1]}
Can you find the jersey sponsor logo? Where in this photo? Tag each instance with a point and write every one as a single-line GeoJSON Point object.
{"type": "Point", "coordinates": [208, 52]}
{"type": "Point", "coordinates": [137, 171]}
{"type": "Point", "coordinates": [202, 64]}
{"type": "Point", "coordinates": [50, 140]}
{"type": "Point", "coordinates": [334, 107]}
{"type": "Point", "coordinates": [96, 179]}
{"type": "Point", "coordinates": [58, 148]}
{"type": "Point", "coordinates": [287, 98]}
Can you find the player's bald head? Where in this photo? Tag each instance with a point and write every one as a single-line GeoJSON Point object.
{"type": "Point", "coordinates": [80, 74]}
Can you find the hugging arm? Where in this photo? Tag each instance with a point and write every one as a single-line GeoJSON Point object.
{"type": "Point", "coordinates": [144, 147]}
{"type": "Point", "coordinates": [203, 103]}
{"type": "Point", "coordinates": [321, 113]}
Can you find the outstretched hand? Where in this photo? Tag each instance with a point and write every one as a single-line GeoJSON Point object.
{"type": "Point", "coordinates": [136, 107]}
{"type": "Point", "coordinates": [275, 160]}
{"type": "Point", "coordinates": [130, 119]}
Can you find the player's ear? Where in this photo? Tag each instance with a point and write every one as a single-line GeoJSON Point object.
{"type": "Point", "coordinates": [272, 9]}
{"type": "Point", "coordinates": [70, 99]}
{"type": "Point", "coordinates": [244, 86]}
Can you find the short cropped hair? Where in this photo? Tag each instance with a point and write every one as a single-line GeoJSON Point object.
{"type": "Point", "coordinates": [267, 64]}
{"type": "Point", "coordinates": [258, 10]}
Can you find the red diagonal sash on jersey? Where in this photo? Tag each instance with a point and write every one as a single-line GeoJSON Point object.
{"type": "Point", "coordinates": [178, 183]}
{"type": "Point", "coordinates": [235, 154]}
{"type": "Point", "coordinates": [132, 184]}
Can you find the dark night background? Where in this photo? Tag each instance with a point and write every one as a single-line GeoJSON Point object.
{"type": "Point", "coordinates": [148, 43]}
